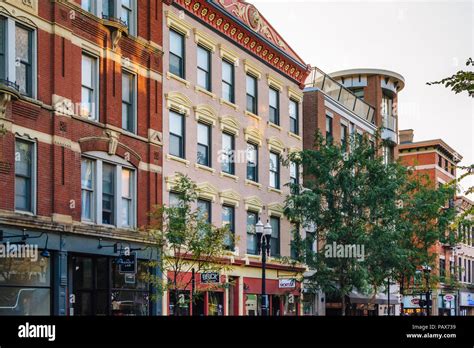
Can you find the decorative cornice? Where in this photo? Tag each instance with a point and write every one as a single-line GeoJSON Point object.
{"type": "Point", "coordinates": [253, 34]}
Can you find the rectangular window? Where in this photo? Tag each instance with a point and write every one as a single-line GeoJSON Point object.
{"type": "Point", "coordinates": [87, 5]}
{"type": "Point", "coordinates": [89, 87]}
{"type": "Point", "coordinates": [228, 219]}
{"type": "Point", "coordinates": [24, 175]}
{"type": "Point", "coordinates": [177, 53]}
{"type": "Point", "coordinates": [176, 134]}
{"type": "Point", "coordinates": [294, 116]}
{"type": "Point", "coordinates": [344, 137]}
{"type": "Point", "coordinates": [87, 188]}
{"type": "Point", "coordinates": [440, 161]}
{"type": "Point", "coordinates": [23, 59]}
{"type": "Point", "coordinates": [275, 238]}
{"type": "Point", "coordinates": [228, 81]}
{"type": "Point", "coordinates": [204, 210]}
{"type": "Point", "coordinates": [126, 12]}
{"type": "Point", "coordinates": [128, 101]}
{"type": "Point", "coordinates": [252, 162]}
{"type": "Point", "coordinates": [204, 144]}
{"type": "Point", "coordinates": [108, 194]}
{"type": "Point", "coordinates": [442, 269]}
{"type": "Point", "coordinates": [294, 173]}
{"type": "Point", "coordinates": [251, 83]}
{"type": "Point", "coordinates": [274, 105]}
{"type": "Point", "coordinates": [108, 8]}
{"type": "Point", "coordinates": [127, 198]}
{"type": "Point", "coordinates": [328, 128]}
{"type": "Point", "coordinates": [227, 158]}
{"type": "Point", "coordinates": [252, 242]}
{"type": "Point", "coordinates": [274, 170]}
{"type": "Point", "coordinates": [204, 68]}
{"type": "Point", "coordinates": [445, 164]}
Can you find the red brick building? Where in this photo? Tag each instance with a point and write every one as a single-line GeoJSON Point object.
{"type": "Point", "coordinates": [437, 160]}
{"type": "Point", "coordinates": [345, 104]}
{"type": "Point", "coordinates": [80, 151]}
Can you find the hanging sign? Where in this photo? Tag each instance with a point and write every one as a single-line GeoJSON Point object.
{"type": "Point", "coordinates": [127, 263]}
{"type": "Point", "coordinates": [286, 283]}
{"type": "Point", "coordinates": [210, 277]}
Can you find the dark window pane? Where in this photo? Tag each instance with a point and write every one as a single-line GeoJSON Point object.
{"type": "Point", "coordinates": [252, 218]}
{"type": "Point", "coordinates": [252, 162]}
{"type": "Point", "coordinates": [108, 196]}
{"type": "Point", "coordinates": [275, 238]}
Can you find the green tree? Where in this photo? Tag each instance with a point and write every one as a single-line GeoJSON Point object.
{"type": "Point", "coordinates": [186, 244]}
{"type": "Point", "coordinates": [462, 81]}
{"type": "Point", "coordinates": [354, 198]}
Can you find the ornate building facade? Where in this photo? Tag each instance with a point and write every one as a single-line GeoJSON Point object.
{"type": "Point", "coordinates": [232, 112]}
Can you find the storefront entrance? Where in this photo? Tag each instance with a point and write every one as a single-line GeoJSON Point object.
{"type": "Point", "coordinates": [96, 287]}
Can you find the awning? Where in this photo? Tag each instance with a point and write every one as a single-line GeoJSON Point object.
{"type": "Point", "coordinates": [380, 298]}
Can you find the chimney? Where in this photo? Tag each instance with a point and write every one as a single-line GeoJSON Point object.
{"type": "Point", "coordinates": [406, 136]}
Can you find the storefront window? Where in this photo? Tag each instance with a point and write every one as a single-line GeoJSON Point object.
{"type": "Point", "coordinates": [183, 300]}
{"type": "Point", "coordinates": [216, 303]}
{"type": "Point", "coordinates": [130, 295]}
{"type": "Point", "coordinates": [25, 286]}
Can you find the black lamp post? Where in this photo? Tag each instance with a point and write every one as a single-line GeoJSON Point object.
{"type": "Point", "coordinates": [263, 234]}
{"type": "Point", "coordinates": [427, 271]}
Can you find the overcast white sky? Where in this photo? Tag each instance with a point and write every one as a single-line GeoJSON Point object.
{"type": "Point", "coordinates": [421, 40]}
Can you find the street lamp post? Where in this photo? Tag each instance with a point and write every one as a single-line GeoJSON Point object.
{"type": "Point", "coordinates": [427, 270]}
{"type": "Point", "coordinates": [263, 234]}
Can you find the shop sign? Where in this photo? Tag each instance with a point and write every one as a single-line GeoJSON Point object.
{"type": "Point", "coordinates": [127, 263]}
{"type": "Point", "coordinates": [449, 297]}
{"type": "Point", "coordinates": [210, 277]}
{"type": "Point", "coordinates": [467, 299]}
{"type": "Point", "coordinates": [286, 283]}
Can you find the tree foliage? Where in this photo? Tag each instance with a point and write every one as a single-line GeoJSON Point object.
{"type": "Point", "coordinates": [462, 81]}
{"type": "Point", "coordinates": [354, 198]}
{"type": "Point", "coordinates": [186, 243]}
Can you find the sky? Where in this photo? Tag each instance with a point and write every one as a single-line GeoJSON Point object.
{"type": "Point", "coordinates": [421, 40]}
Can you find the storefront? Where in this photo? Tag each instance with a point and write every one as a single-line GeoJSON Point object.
{"type": "Point", "coordinates": [447, 304]}
{"type": "Point", "coordinates": [466, 303]}
{"type": "Point", "coordinates": [283, 296]}
{"type": "Point", "coordinates": [411, 305]}
{"type": "Point", "coordinates": [75, 275]}
{"type": "Point", "coordinates": [207, 297]}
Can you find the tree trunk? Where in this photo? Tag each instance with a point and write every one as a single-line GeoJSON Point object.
{"type": "Point", "coordinates": [343, 305]}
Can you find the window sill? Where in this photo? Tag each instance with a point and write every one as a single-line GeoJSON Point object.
{"type": "Point", "coordinates": [177, 78]}
{"type": "Point", "coordinates": [272, 189]}
{"type": "Point", "coordinates": [253, 256]}
{"type": "Point", "coordinates": [251, 114]}
{"type": "Point", "coordinates": [230, 176]}
{"type": "Point", "coordinates": [25, 213]}
{"type": "Point", "coordinates": [228, 103]}
{"type": "Point", "coordinates": [206, 92]}
{"type": "Point", "coordinates": [203, 167]}
{"type": "Point", "coordinates": [274, 125]}
{"type": "Point", "coordinates": [177, 159]}
{"type": "Point", "coordinates": [253, 183]}
{"type": "Point", "coordinates": [296, 136]}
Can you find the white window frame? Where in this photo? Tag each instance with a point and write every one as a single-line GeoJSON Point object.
{"type": "Point", "coordinates": [96, 79]}
{"type": "Point", "coordinates": [10, 51]}
{"type": "Point", "coordinates": [34, 176]}
{"type": "Point", "coordinates": [99, 158]}
{"type": "Point", "coordinates": [134, 99]}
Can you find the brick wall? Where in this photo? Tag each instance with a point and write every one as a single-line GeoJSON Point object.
{"type": "Point", "coordinates": [57, 135]}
